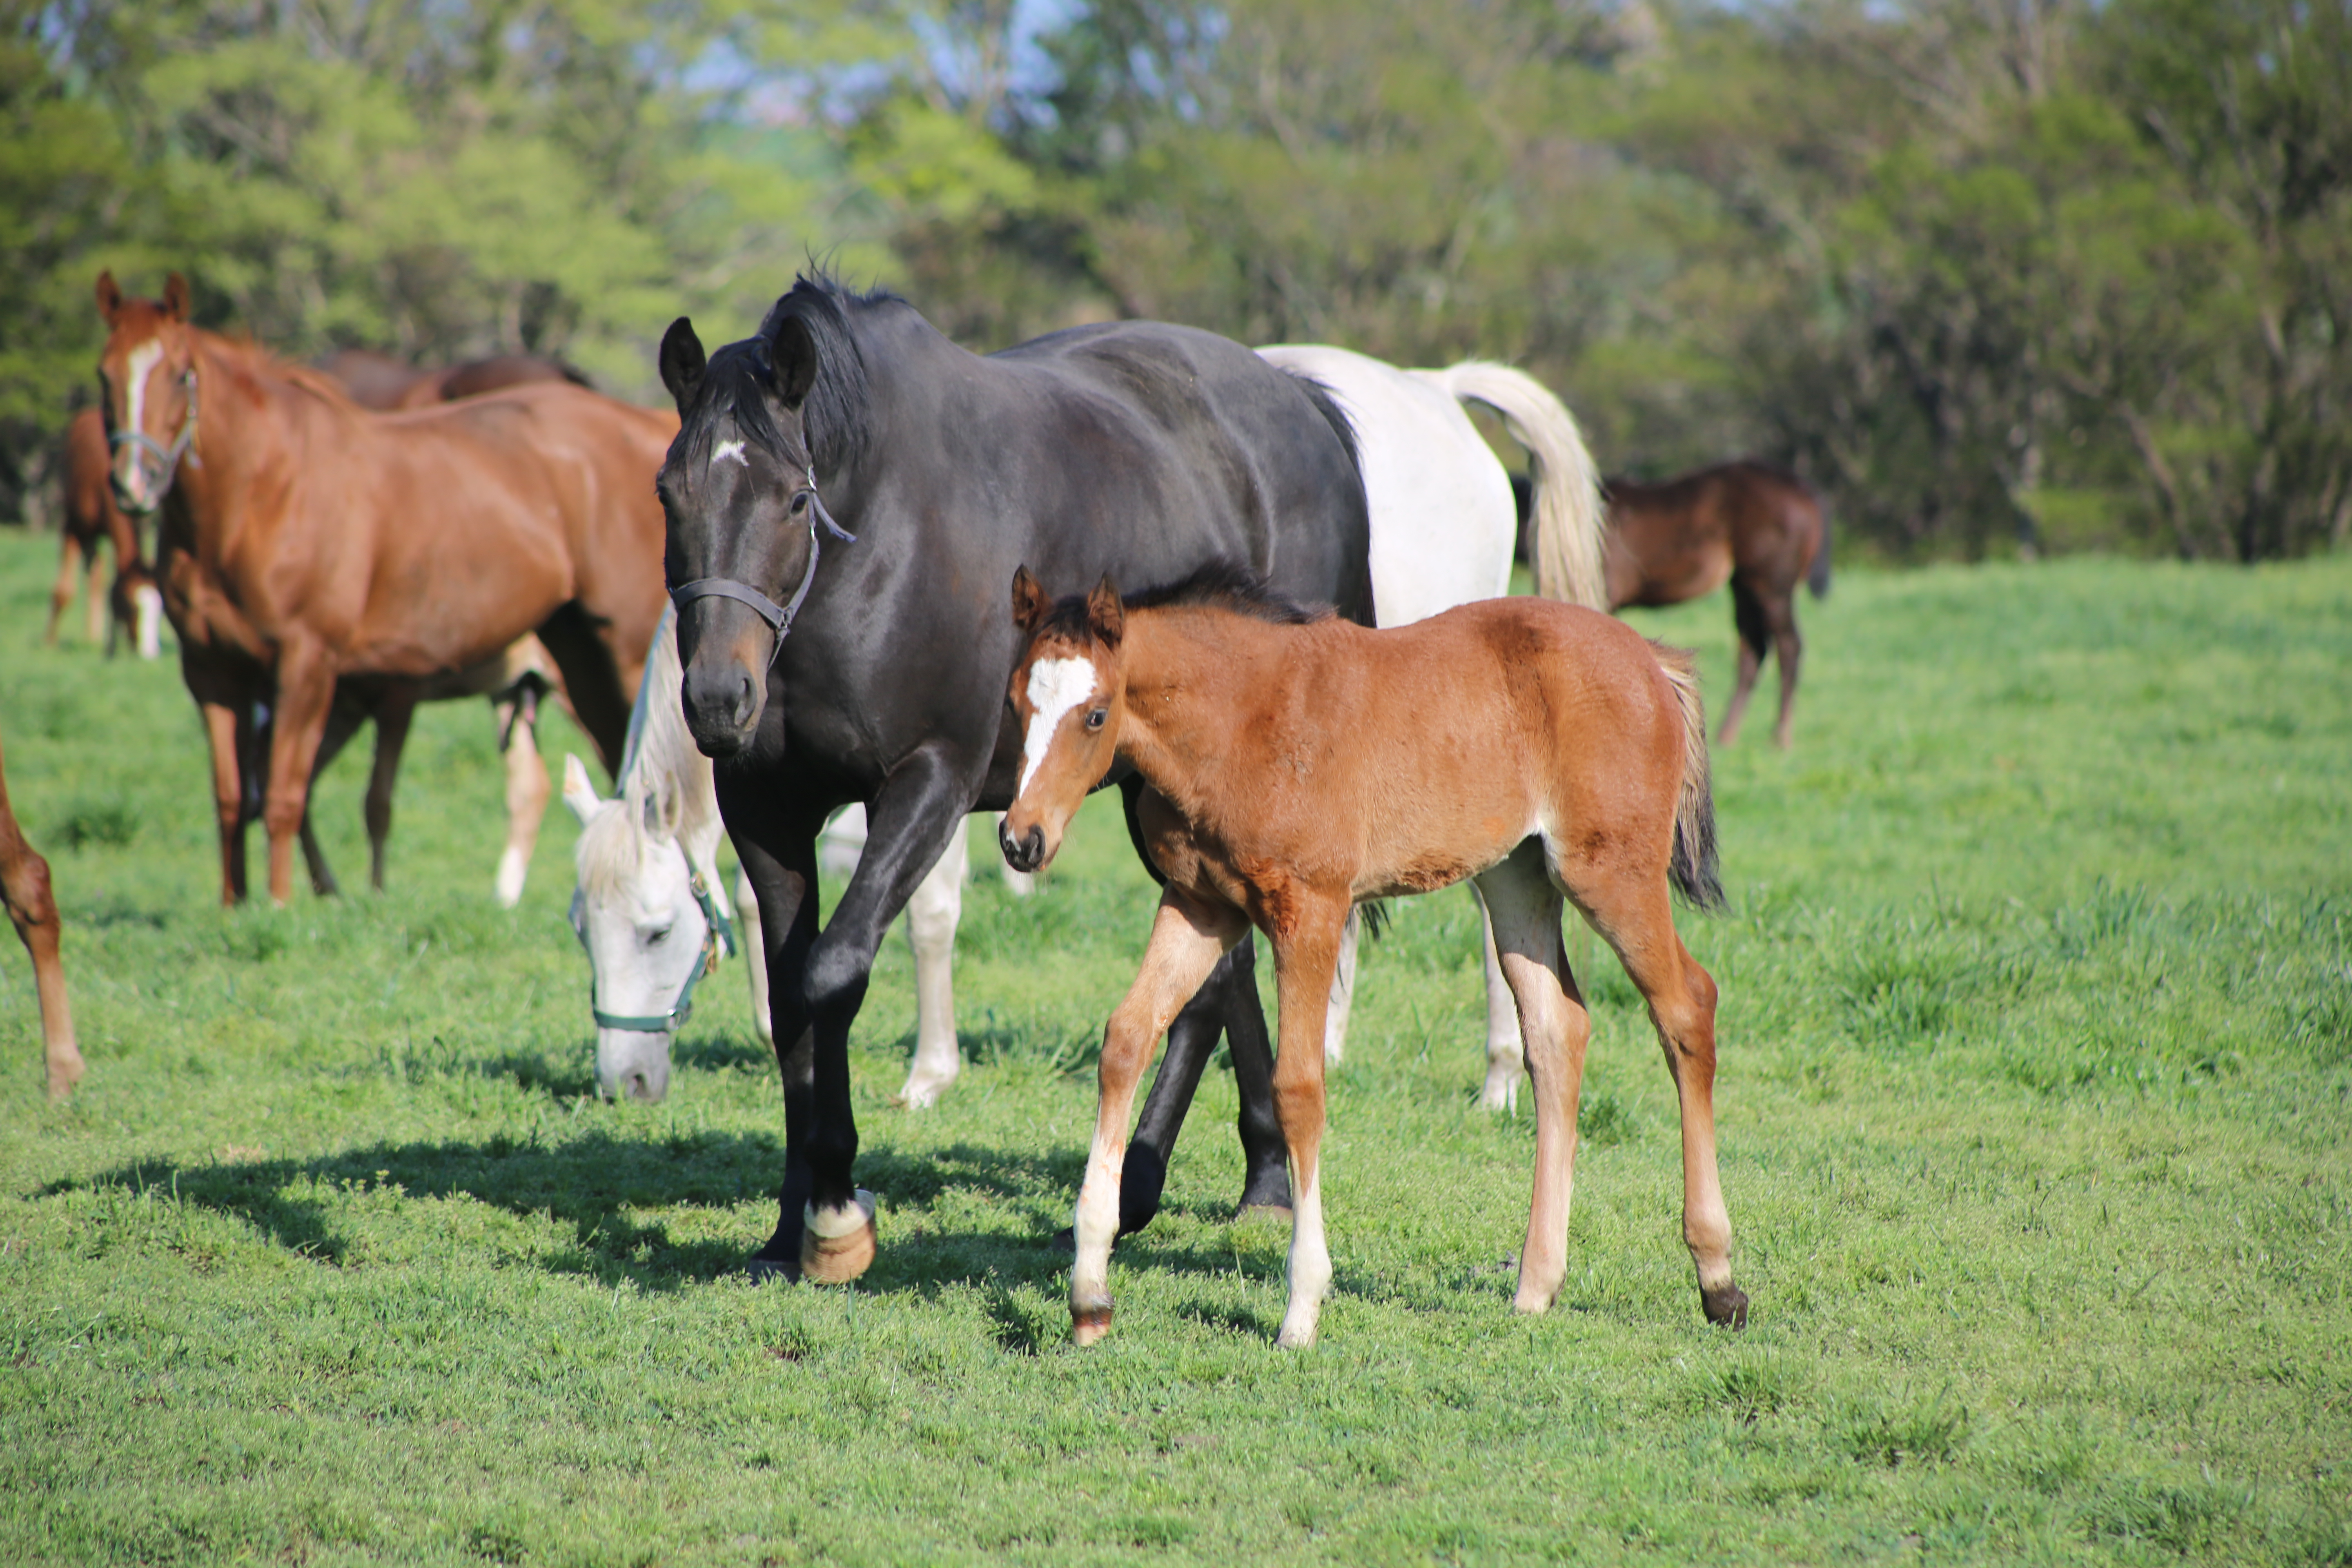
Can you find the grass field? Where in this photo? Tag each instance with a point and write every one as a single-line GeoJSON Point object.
{"type": "Point", "coordinates": [2036, 1043]}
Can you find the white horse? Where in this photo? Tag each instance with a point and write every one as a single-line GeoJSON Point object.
{"type": "Point", "coordinates": [1444, 525]}
{"type": "Point", "coordinates": [655, 916]}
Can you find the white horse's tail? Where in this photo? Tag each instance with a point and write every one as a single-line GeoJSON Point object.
{"type": "Point", "coordinates": [1568, 518]}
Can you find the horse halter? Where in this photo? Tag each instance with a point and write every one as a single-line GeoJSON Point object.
{"type": "Point", "coordinates": [167, 457]}
{"type": "Point", "coordinates": [778, 616]}
{"type": "Point", "coordinates": [718, 940]}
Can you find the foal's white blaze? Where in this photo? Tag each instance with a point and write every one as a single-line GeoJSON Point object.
{"type": "Point", "coordinates": [1055, 686]}
{"type": "Point", "coordinates": [729, 452]}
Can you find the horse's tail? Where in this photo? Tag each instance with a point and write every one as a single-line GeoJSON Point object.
{"type": "Point", "coordinates": [1818, 579]}
{"type": "Point", "coordinates": [1568, 518]}
{"type": "Point", "coordinates": [1693, 867]}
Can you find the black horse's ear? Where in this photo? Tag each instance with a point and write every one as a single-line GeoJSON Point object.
{"type": "Point", "coordinates": [175, 296]}
{"type": "Point", "coordinates": [1105, 613]}
{"type": "Point", "coordinates": [793, 354]}
{"type": "Point", "coordinates": [1029, 602]}
{"type": "Point", "coordinates": [681, 361]}
{"type": "Point", "coordinates": [109, 295]}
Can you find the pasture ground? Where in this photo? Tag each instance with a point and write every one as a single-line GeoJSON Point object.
{"type": "Point", "coordinates": [2037, 1045]}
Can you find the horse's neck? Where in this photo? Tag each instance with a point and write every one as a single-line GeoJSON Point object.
{"type": "Point", "coordinates": [1187, 676]}
{"type": "Point", "coordinates": [240, 435]}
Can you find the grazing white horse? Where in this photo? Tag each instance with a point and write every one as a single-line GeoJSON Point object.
{"type": "Point", "coordinates": [655, 915]}
{"type": "Point", "coordinates": [1443, 527]}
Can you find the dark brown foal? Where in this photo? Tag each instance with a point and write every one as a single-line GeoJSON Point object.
{"type": "Point", "coordinates": [1759, 527]}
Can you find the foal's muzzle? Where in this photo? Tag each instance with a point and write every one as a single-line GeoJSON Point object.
{"type": "Point", "coordinates": [1026, 853]}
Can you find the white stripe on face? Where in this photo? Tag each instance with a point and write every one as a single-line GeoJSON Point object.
{"type": "Point", "coordinates": [1055, 686]}
{"type": "Point", "coordinates": [729, 452]}
{"type": "Point", "coordinates": [141, 367]}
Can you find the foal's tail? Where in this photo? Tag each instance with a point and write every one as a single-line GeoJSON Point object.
{"type": "Point", "coordinates": [1693, 867]}
{"type": "Point", "coordinates": [1568, 518]}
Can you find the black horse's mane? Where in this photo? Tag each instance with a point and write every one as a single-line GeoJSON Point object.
{"type": "Point", "coordinates": [1222, 585]}
{"type": "Point", "coordinates": [741, 377]}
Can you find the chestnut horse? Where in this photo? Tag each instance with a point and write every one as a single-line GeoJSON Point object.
{"type": "Point", "coordinates": [92, 518]}
{"type": "Point", "coordinates": [1295, 765]}
{"type": "Point", "coordinates": [24, 888]}
{"type": "Point", "coordinates": [515, 682]}
{"type": "Point", "coordinates": [306, 542]}
{"type": "Point", "coordinates": [1759, 527]}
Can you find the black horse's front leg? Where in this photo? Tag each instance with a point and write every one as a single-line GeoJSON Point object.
{"type": "Point", "coordinates": [908, 822]}
{"type": "Point", "coordinates": [777, 846]}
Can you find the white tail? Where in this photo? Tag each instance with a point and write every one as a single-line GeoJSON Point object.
{"type": "Point", "coordinates": [1568, 519]}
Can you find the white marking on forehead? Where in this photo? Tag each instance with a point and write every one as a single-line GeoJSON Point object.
{"type": "Point", "coordinates": [141, 367]}
{"type": "Point", "coordinates": [1055, 686]}
{"type": "Point", "coordinates": [729, 452]}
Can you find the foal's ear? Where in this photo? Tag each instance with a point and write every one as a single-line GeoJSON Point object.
{"type": "Point", "coordinates": [109, 295]}
{"type": "Point", "coordinates": [1105, 613]}
{"type": "Point", "coordinates": [175, 296]}
{"type": "Point", "coordinates": [681, 361]}
{"type": "Point", "coordinates": [793, 354]}
{"type": "Point", "coordinates": [1029, 602]}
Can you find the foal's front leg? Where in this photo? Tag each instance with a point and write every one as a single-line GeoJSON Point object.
{"type": "Point", "coordinates": [1304, 959]}
{"type": "Point", "coordinates": [1188, 938]}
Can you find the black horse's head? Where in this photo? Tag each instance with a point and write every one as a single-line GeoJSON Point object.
{"type": "Point", "coordinates": [762, 424]}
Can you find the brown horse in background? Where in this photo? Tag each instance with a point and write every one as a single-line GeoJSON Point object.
{"type": "Point", "coordinates": [92, 518]}
{"type": "Point", "coordinates": [386, 385]}
{"type": "Point", "coordinates": [515, 682]}
{"type": "Point", "coordinates": [1758, 526]}
{"type": "Point", "coordinates": [306, 542]}
{"type": "Point", "coordinates": [24, 888]}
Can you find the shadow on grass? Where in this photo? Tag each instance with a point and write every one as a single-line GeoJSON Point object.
{"type": "Point", "coordinates": [598, 1183]}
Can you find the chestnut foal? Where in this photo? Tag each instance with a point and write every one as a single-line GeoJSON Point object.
{"type": "Point", "coordinates": [1297, 765]}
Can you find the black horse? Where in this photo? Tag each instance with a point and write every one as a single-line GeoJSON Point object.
{"type": "Point", "coordinates": [849, 496]}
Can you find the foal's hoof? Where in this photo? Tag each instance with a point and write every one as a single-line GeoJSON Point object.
{"type": "Point", "coordinates": [1726, 1306]}
{"type": "Point", "coordinates": [837, 1244]}
{"type": "Point", "coordinates": [1090, 1320]}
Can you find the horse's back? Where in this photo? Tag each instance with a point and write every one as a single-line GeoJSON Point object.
{"type": "Point", "coordinates": [1441, 509]}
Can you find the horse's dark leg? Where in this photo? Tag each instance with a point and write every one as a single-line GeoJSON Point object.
{"type": "Point", "coordinates": [907, 823]}
{"type": "Point", "coordinates": [593, 678]}
{"type": "Point", "coordinates": [343, 723]}
{"type": "Point", "coordinates": [391, 721]}
{"type": "Point", "coordinates": [1266, 1168]}
{"type": "Point", "coordinates": [778, 849]}
{"type": "Point", "coordinates": [1788, 648]}
{"type": "Point", "coordinates": [1747, 614]}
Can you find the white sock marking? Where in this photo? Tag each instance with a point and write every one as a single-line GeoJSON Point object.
{"type": "Point", "coordinates": [1055, 686]}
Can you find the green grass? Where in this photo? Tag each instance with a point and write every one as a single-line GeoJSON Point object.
{"type": "Point", "coordinates": [2037, 1043]}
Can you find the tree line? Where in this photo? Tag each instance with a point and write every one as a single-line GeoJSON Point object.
{"type": "Point", "coordinates": [1998, 276]}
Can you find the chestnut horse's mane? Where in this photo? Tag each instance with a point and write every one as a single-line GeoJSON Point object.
{"type": "Point", "coordinates": [1222, 584]}
{"type": "Point", "coordinates": [251, 356]}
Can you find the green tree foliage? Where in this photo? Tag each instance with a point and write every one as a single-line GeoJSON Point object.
{"type": "Point", "coordinates": [1997, 274]}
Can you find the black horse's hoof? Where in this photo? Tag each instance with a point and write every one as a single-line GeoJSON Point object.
{"type": "Point", "coordinates": [1064, 1241]}
{"type": "Point", "coordinates": [782, 1270]}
